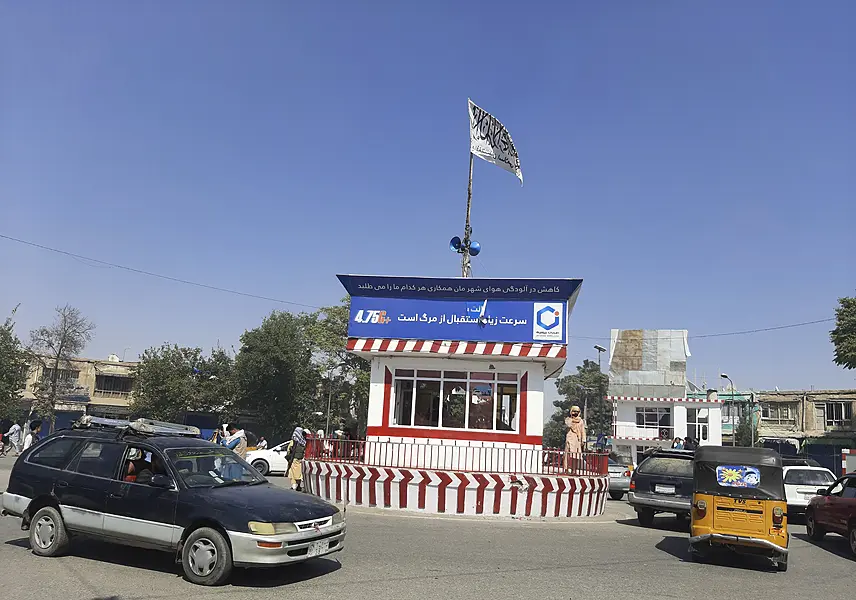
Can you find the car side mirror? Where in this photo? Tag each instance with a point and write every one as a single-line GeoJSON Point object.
{"type": "Point", "coordinates": [160, 481]}
{"type": "Point", "coordinates": [822, 492]}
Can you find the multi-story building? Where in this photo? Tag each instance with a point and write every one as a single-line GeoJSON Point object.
{"type": "Point", "coordinates": [97, 387]}
{"type": "Point", "coordinates": [648, 389]}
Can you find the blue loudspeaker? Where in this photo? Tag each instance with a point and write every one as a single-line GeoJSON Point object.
{"type": "Point", "coordinates": [455, 244]}
{"type": "Point", "coordinates": [475, 248]}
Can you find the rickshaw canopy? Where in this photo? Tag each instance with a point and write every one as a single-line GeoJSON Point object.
{"type": "Point", "coordinates": [739, 472]}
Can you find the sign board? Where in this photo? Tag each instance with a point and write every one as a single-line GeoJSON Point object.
{"type": "Point", "coordinates": [510, 321]}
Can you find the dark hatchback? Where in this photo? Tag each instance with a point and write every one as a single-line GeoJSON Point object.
{"type": "Point", "coordinates": [662, 483]}
{"type": "Point", "coordinates": [152, 485]}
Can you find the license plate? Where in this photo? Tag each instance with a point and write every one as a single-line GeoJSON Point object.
{"type": "Point", "coordinates": [316, 548]}
{"type": "Point", "coordinates": [664, 489]}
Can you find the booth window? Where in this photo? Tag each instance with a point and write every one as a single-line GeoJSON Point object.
{"type": "Point", "coordinates": [697, 422]}
{"type": "Point", "coordinates": [483, 400]}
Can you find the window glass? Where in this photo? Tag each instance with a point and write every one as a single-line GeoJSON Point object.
{"type": "Point", "coordinates": [427, 404]}
{"type": "Point", "coordinates": [506, 376]}
{"type": "Point", "coordinates": [481, 406]}
{"type": "Point", "coordinates": [55, 453]}
{"type": "Point", "coordinates": [404, 372]}
{"type": "Point", "coordinates": [403, 401]}
{"type": "Point", "coordinates": [850, 490]}
{"type": "Point", "coordinates": [482, 376]}
{"type": "Point", "coordinates": [137, 464]}
{"type": "Point", "coordinates": [212, 467]}
{"type": "Point", "coordinates": [808, 477]}
{"type": "Point", "coordinates": [99, 459]}
{"type": "Point", "coordinates": [454, 404]}
{"type": "Point", "coordinates": [506, 412]}
{"type": "Point", "coordinates": [838, 488]}
{"type": "Point", "coordinates": [428, 374]}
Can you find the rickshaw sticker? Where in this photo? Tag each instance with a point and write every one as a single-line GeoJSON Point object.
{"type": "Point", "coordinates": [738, 476]}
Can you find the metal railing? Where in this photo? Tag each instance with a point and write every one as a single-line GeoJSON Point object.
{"type": "Point", "coordinates": [447, 457]}
{"type": "Point", "coordinates": [652, 432]}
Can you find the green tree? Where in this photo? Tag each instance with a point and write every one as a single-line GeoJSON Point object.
{"type": "Point", "coordinates": [53, 347]}
{"type": "Point", "coordinates": [844, 335]}
{"type": "Point", "coordinates": [274, 372]}
{"type": "Point", "coordinates": [165, 382]}
{"type": "Point", "coordinates": [13, 370]}
{"type": "Point", "coordinates": [587, 389]}
{"type": "Point", "coordinates": [743, 435]}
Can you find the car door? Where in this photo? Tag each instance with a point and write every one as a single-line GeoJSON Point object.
{"type": "Point", "coordinates": [141, 512]}
{"type": "Point", "coordinates": [278, 458]}
{"type": "Point", "coordinates": [83, 486]}
{"type": "Point", "coordinates": [826, 509]}
{"type": "Point", "coordinates": [845, 506]}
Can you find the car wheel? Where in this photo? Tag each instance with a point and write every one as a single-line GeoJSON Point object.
{"type": "Point", "coordinates": [814, 531]}
{"type": "Point", "coordinates": [48, 536]}
{"type": "Point", "coordinates": [616, 495]}
{"type": "Point", "coordinates": [206, 557]}
{"type": "Point", "coordinates": [852, 537]}
{"type": "Point", "coordinates": [261, 466]}
{"type": "Point", "coordinates": [645, 516]}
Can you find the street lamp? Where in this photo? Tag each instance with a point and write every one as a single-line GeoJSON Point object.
{"type": "Point", "coordinates": [600, 349]}
{"type": "Point", "coordinates": [751, 416]}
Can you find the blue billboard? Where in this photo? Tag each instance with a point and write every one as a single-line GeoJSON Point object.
{"type": "Point", "coordinates": [514, 321]}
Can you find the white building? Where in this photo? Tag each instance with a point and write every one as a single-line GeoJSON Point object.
{"type": "Point", "coordinates": [647, 386]}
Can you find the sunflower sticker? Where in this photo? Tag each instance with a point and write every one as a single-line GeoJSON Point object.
{"type": "Point", "coordinates": [738, 476]}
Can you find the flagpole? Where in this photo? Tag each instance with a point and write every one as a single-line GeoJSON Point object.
{"type": "Point", "coordinates": [466, 270]}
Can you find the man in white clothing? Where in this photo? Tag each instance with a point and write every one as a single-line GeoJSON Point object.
{"type": "Point", "coordinates": [14, 435]}
{"type": "Point", "coordinates": [33, 436]}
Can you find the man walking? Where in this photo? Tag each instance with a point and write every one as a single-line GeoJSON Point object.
{"type": "Point", "coordinates": [14, 436]}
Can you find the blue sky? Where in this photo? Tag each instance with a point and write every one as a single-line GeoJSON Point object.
{"type": "Point", "coordinates": [693, 163]}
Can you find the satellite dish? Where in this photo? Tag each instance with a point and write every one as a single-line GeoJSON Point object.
{"type": "Point", "coordinates": [455, 244]}
{"type": "Point", "coordinates": [475, 248]}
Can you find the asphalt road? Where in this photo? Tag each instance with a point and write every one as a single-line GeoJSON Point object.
{"type": "Point", "coordinates": [400, 556]}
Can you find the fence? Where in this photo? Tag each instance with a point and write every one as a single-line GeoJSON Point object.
{"type": "Point", "coordinates": [407, 455]}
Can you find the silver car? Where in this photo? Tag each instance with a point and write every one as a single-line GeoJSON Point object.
{"type": "Point", "coordinates": [619, 479]}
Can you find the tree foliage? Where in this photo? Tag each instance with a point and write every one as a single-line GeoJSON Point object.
{"type": "Point", "coordinates": [587, 389]}
{"type": "Point", "coordinates": [53, 347]}
{"type": "Point", "coordinates": [171, 380]}
{"type": "Point", "coordinates": [844, 335]}
{"type": "Point", "coordinates": [13, 370]}
{"type": "Point", "coordinates": [743, 434]}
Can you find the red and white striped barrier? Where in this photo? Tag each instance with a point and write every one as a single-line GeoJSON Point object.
{"type": "Point", "coordinates": [449, 492]}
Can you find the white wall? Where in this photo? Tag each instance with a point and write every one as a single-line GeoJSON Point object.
{"type": "Point", "coordinates": [626, 420]}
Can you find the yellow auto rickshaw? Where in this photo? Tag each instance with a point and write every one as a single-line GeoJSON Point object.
{"type": "Point", "coordinates": [739, 503]}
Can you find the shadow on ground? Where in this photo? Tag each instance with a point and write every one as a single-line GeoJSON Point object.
{"type": "Point", "coordinates": [835, 544]}
{"type": "Point", "coordinates": [661, 522]}
{"type": "Point", "coordinates": [164, 562]}
{"type": "Point", "coordinates": [679, 548]}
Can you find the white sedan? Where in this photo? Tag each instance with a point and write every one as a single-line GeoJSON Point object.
{"type": "Point", "coordinates": [801, 485]}
{"type": "Point", "coordinates": [271, 460]}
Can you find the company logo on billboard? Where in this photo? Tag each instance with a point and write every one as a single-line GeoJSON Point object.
{"type": "Point", "coordinates": [547, 322]}
{"type": "Point", "coordinates": [372, 316]}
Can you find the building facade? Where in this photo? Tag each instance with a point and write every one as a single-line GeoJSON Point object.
{"type": "Point", "coordinates": [648, 391]}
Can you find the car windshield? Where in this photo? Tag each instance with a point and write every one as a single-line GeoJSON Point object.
{"type": "Point", "coordinates": [212, 467]}
{"type": "Point", "coordinates": [666, 465]}
{"type": "Point", "coordinates": [808, 477]}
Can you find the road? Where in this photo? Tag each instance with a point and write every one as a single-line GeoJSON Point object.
{"type": "Point", "coordinates": [399, 556]}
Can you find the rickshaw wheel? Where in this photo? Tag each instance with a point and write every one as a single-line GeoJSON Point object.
{"type": "Point", "coordinates": [697, 556]}
{"type": "Point", "coordinates": [782, 565]}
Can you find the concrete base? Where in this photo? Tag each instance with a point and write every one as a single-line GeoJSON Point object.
{"type": "Point", "coordinates": [447, 492]}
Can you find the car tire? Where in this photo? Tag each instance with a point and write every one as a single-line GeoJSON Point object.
{"type": "Point", "coordinates": [206, 557]}
{"type": "Point", "coordinates": [815, 532]}
{"type": "Point", "coordinates": [851, 537]}
{"type": "Point", "coordinates": [645, 516]}
{"type": "Point", "coordinates": [261, 466]}
{"type": "Point", "coordinates": [48, 536]}
{"type": "Point", "coordinates": [616, 495]}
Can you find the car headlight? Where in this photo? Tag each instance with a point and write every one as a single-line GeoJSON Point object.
{"type": "Point", "coordinates": [260, 528]}
{"type": "Point", "coordinates": [338, 517]}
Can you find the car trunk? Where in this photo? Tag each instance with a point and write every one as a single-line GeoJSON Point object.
{"type": "Point", "coordinates": [739, 516]}
{"type": "Point", "coordinates": [664, 485]}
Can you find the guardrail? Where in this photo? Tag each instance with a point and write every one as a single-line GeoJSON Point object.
{"type": "Point", "coordinates": [446, 457]}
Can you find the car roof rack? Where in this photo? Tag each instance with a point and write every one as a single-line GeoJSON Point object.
{"type": "Point", "coordinates": [138, 426]}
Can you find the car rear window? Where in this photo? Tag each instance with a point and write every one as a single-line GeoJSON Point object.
{"type": "Point", "coordinates": [55, 453]}
{"type": "Point", "coordinates": [666, 465]}
{"type": "Point", "coordinates": [808, 477]}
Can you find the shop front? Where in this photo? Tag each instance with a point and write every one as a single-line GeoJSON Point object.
{"type": "Point", "coordinates": [455, 418]}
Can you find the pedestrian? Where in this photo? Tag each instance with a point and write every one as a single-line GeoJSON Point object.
{"type": "Point", "coordinates": [575, 438]}
{"type": "Point", "coordinates": [262, 445]}
{"type": "Point", "coordinates": [296, 452]}
{"type": "Point", "coordinates": [678, 444]}
{"type": "Point", "coordinates": [690, 444]}
{"type": "Point", "coordinates": [14, 436]}
{"type": "Point", "coordinates": [33, 436]}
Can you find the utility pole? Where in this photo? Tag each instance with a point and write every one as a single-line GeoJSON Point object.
{"type": "Point", "coordinates": [466, 269]}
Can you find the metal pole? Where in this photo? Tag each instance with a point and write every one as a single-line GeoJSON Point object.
{"type": "Point", "coordinates": [752, 418]}
{"type": "Point", "coordinates": [329, 400]}
{"type": "Point", "coordinates": [466, 270]}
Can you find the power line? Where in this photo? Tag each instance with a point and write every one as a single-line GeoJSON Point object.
{"type": "Point", "coordinates": [279, 301]}
{"type": "Point", "coordinates": [157, 275]}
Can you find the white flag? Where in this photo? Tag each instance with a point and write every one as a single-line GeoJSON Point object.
{"type": "Point", "coordinates": [490, 141]}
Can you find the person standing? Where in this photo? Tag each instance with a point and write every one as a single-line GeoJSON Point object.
{"type": "Point", "coordinates": [236, 441]}
{"type": "Point", "coordinates": [14, 435]}
{"type": "Point", "coordinates": [262, 445]}
{"type": "Point", "coordinates": [575, 438]}
{"type": "Point", "coordinates": [33, 436]}
{"type": "Point", "coordinates": [296, 452]}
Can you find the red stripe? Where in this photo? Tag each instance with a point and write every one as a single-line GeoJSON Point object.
{"type": "Point", "coordinates": [591, 496]}
{"type": "Point", "coordinates": [462, 491]}
{"type": "Point", "coordinates": [445, 480]}
{"type": "Point", "coordinates": [359, 484]}
{"type": "Point", "coordinates": [506, 349]}
{"type": "Point", "coordinates": [582, 497]}
{"type": "Point", "coordinates": [318, 480]}
{"type": "Point", "coordinates": [352, 343]}
{"type": "Point", "coordinates": [544, 351]}
{"type": "Point", "coordinates": [435, 347]}
{"type": "Point", "coordinates": [524, 399]}
{"type": "Point", "coordinates": [514, 491]}
{"type": "Point", "coordinates": [471, 348]}
{"type": "Point", "coordinates": [338, 483]}
{"type": "Point", "coordinates": [384, 345]}
{"type": "Point", "coordinates": [403, 485]}
{"type": "Point", "coordinates": [454, 347]}
{"type": "Point", "coordinates": [348, 475]}
{"type": "Point", "coordinates": [423, 485]}
{"type": "Point", "coordinates": [529, 494]}
{"type": "Point", "coordinates": [545, 495]}
{"type": "Point", "coordinates": [482, 484]}
{"type": "Point", "coordinates": [327, 470]}
{"type": "Point", "coordinates": [418, 346]}
{"type": "Point", "coordinates": [497, 493]}
{"type": "Point", "coordinates": [563, 352]}
{"type": "Point", "coordinates": [372, 481]}
{"type": "Point", "coordinates": [387, 488]}
{"type": "Point", "coordinates": [488, 348]}
{"type": "Point", "coordinates": [572, 491]}
{"type": "Point", "coordinates": [560, 490]}
{"type": "Point", "coordinates": [387, 395]}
